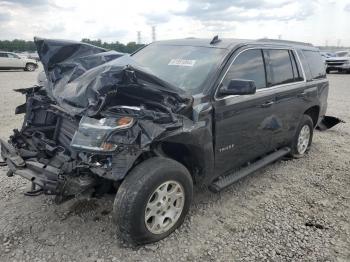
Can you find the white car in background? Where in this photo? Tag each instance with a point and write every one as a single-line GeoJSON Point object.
{"type": "Point", "coordinates": [9, 60]}
{"type": "Point", "coordinates": [340, 63]}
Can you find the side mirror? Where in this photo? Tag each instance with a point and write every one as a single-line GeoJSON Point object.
{"type": "Point", "coordinates": [238, 87]}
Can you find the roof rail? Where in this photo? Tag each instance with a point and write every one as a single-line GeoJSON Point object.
{"type": "Point", "coordinates": [283, 41]}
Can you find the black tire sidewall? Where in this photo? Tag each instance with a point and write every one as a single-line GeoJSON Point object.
{"type": "Point", "coordinates": [137, 231]}
{"type": "Point", "coordinates": [27, 68]}
{"type": "Point", "coordinates": [305, 120]}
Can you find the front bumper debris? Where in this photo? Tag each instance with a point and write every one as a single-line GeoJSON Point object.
{"type": "Point", "coordinates": [44, 176]}
{"type": "Point", "coordinates": [328, 122]}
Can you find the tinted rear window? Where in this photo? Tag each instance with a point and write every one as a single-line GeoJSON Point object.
{"type": "Point", "coordinates": [316, 64]}
{"type": "Point", "coordinates": [297, 72]}
{"type": "Point", "coordinates": [279, 67]}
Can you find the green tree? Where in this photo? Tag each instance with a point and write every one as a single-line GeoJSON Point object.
{"type": "Point", "coordinates": [18, 45]}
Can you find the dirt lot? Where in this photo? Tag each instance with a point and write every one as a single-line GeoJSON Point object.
{"type": "Point", "coordinates": [290, 211]}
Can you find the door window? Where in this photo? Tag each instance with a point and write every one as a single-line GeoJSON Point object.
{"type": "Point", "coordinates": [298, 76]}
{"type": "Point", "coordinates": [279, 67]}
{"type": "Point", "coordinates": [249, 65]}
{"type": "Point", "coordinates": [317, 66]}
{"type": "Point", "coordinates": [12, 55]}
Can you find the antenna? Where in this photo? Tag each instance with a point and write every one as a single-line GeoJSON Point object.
{"type": "Point", "coordinates": [215, 40]}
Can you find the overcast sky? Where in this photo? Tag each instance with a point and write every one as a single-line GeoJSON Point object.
{"type": "Point", "coordinates": [315, 21]}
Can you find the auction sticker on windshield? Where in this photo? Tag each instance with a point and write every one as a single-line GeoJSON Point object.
{"type": "Point", "coordinates": [182, 62]}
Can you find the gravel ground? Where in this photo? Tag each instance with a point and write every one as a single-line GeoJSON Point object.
{"type": "Point", "coordinates": [295, 210]}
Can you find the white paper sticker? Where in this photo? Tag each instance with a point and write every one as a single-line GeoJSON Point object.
{"type": "Point", "coordinates": [182, 62]}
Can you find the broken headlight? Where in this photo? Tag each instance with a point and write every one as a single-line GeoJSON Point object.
{"type": "Point", "coordinates": [93, 133]}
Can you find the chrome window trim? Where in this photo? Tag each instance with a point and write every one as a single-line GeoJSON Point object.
{"type": "Point", "coordinates": [266, 88]}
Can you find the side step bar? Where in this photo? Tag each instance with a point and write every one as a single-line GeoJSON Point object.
{"type": "Point", "coordinates": [228, 180]}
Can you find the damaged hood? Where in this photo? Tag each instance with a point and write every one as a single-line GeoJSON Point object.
{"type": "Point", "coordinates": [85, 79]}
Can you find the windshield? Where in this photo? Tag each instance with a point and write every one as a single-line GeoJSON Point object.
{"type": "Point", "coordinates": [186, 67]}
{"type": "Point", "coordinates": [342, 54]}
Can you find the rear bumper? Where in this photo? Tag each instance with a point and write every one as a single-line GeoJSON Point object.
{"type": "Point", "coordinates": [45, 176]}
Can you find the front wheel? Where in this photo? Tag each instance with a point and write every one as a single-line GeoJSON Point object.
{"type": "Point", "coordinates": [30, 67]}
{"type": "Point", "coordinates": [303, 137]}
{"type": "Point", "coordinates": [153, 200]}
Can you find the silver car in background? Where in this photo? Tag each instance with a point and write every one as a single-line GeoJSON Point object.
{"type": "Point", "coordinates": [9, 60]}
{"type": "Point", "coordinates": [339, 63]}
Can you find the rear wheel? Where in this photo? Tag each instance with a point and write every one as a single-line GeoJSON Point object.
{"type": "Point", "coordinates": [328, 71]}
{"type": "Point", "coordinates": [153, 200]}
{"type": "Point", "coordinates": [30, 67]}
{"type": "Point", "coordinates": [303, 138]}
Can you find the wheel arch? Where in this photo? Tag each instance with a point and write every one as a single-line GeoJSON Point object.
{"type": "Point", "coordinates": [314, 113]}
{"type": "Point", "coordinates": [184, 154]}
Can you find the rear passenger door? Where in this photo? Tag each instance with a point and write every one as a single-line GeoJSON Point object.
{"type": "Point", "coordinates": [286, 79]}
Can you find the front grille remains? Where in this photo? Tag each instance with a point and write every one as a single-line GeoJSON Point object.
{"type": "Point", "coordinates": [66, 131]}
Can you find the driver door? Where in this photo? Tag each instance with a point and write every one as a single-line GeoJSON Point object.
{"type": "Point", "coordinates": [242, 131]}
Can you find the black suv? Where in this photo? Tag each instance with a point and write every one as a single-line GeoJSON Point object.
{"type": "Point", "coordinates": [172, 115]}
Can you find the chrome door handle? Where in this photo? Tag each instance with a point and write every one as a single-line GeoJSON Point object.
{"type": "Point", "coordinates": [303, 94]}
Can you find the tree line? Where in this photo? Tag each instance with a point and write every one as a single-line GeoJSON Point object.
{"type": "Point", "coordinates": [18, 45]}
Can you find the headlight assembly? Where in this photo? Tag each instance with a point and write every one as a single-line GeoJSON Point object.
{"type": "Point", "coordinates": [93, 133]}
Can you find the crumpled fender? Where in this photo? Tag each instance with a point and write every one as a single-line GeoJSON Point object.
{"type": "Point", "coordinates": [328, 122]}
{"type": "Point", "coordinates": [85, 79]}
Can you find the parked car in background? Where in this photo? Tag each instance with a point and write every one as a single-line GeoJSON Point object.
{"type": "Point", "coordinates": [340, 63]}
{"type": "Point", "coordinates": [9, 60]}
{"type": "Point", "coordinates": [326, 54]}
{"type": "Point", "coordinates": [34, 56]}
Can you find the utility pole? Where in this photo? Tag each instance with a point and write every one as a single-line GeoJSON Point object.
{"type": "Point", "coordinates": [338, 43]}
{"type": "Point", "coordinates": [153, 33]}
{"type": "Point", "coordinates": [139, 37]}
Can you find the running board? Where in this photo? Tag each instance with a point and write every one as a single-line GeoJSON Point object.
{"type": "Point", "coordinates": [228, 180]}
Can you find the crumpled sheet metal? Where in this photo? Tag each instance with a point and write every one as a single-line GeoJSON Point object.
{"type": "Point", "coordinates": [82, 77]}
{"type": "Point", "coordinates": [328, 122]}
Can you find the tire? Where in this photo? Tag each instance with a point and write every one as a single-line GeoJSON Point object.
{"type": "Point", "coordinates": [328, 71]}
{"type": "Point", "coordinates": [299, 151]}
{"type": "Point", "coordinates": [139, 191]}
{"type": "Point", "coordinates": [30, 67]}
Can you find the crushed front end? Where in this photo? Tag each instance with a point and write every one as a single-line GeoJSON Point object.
{"type": "Point", "coordinates": [91, 120]}
{"type": "Point", "coordinates": [41, 151]}
{"type": "Point", "coordinates": [65, 154]}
